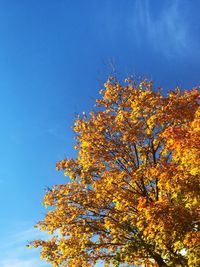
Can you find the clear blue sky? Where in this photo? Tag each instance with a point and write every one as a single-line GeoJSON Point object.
{"type": "Point", "coordinates": [54, 57]}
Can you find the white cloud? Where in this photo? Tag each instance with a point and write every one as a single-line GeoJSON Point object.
{"type": "Point", "coordinates": [21, 263]}
{"type": "Point", "coordinates": [167, 31]}
{"type": "Point", "coordinates": [20, 239]}
{"type": "Point", "coordinates": [15, 253]}
{"type": "Point", "coordinates": [54, 132]}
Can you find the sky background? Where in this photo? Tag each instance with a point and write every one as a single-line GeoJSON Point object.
{"type": "Point", "coordinates": [55, 56]}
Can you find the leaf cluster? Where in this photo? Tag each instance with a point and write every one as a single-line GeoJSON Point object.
{"type": "Point", "coordinates": [134, 191]}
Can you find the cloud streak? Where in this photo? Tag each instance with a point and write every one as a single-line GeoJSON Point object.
{"type": "Point", "coordinates": [166, 31]}
{"type": "Point", "coordinates": [15, 253]}
{"type": "Point", "coordinates": [22, 263]}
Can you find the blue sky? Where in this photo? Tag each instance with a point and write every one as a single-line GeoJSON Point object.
{"type": "Point", "coordinates": [54, 57]}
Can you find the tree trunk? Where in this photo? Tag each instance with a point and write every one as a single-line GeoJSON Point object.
{"type": "Point", "coordinates": [159, 260]}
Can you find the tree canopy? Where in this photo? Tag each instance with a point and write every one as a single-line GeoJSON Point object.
{"type": "Point", "coordinates": [134, 187]}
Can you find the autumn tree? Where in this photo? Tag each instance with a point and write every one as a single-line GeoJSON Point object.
{"type": "Point", "coordinates": [134, 190]}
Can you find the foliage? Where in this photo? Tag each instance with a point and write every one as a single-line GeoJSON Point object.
{"type": "Point", "coordinates": [134, 191]}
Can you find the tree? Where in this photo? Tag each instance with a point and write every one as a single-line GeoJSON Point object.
{"type": "Point", "coordinates": [134, 190]}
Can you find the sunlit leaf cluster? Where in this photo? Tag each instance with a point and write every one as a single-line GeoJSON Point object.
{"type": "Point", "coordinates": [133, 194]}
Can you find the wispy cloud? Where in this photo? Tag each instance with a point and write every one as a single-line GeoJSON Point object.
{"type": "Point", "coordinates": [22, 237]}
{"type": "Point", "coordinates": [53, 131]}
{"type": "Point", "coordinates": [15, 253]}
{"type": "Point", "coordinates": [22, 263]}
{"type": "Point", "coordinates": [167, 31]}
